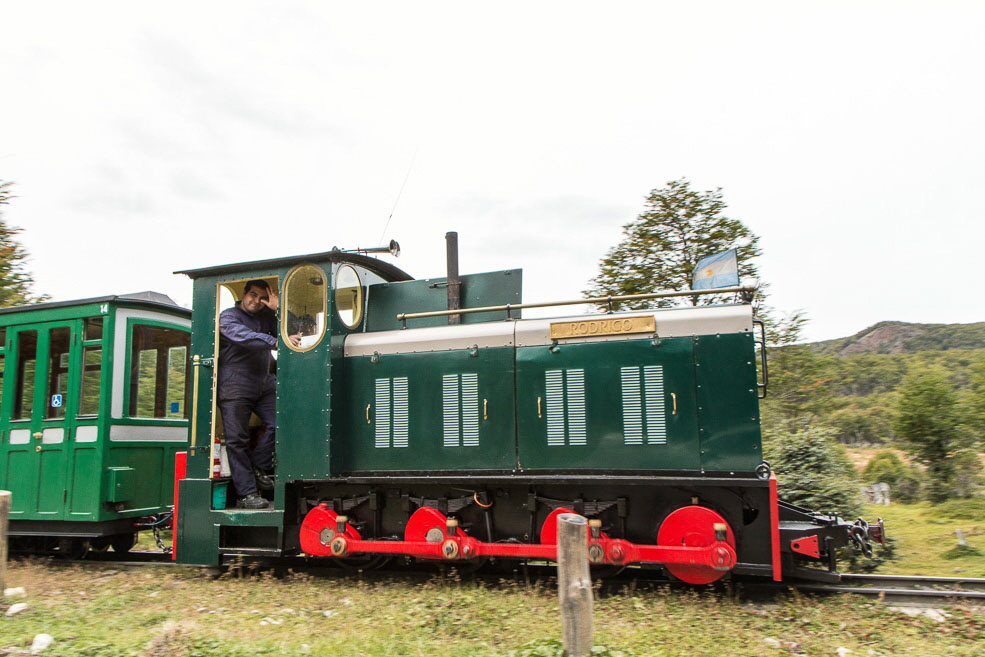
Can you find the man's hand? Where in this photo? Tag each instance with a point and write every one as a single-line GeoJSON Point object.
{"type": "Point", "coordinates": [272, 301]}
{"type": "Point", "coordinates": [295, 339]}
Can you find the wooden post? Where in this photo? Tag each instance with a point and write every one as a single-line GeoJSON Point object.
{"type": "Point", "coordinates": [574, 584]}
{"type": "Point", "coordinates": [4, 521]}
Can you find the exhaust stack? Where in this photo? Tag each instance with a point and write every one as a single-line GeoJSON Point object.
{"type": "Point", "coordinates": [454, 282]}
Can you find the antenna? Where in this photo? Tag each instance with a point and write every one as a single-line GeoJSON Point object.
{"type": "Point", "coordinates": [399, 194]}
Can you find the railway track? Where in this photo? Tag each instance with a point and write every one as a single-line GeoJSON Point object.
{"type": "Point", "coordinates": [895, 590]}
{"type": "Point", "coordinates": [902, 590]}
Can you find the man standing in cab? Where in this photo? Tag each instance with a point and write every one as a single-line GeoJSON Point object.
{"type": "Point", "coordinates": [246, 385]}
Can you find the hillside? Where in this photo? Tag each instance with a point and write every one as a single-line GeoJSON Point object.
{"type": "Point", "coordinates": [850, 384]}
{"type": "Point", "coordinates": [904, 338]}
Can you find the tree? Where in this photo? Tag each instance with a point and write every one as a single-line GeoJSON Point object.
{"type": "Point", "coordinates": [975, 400]}
{"type": "Point", "coordinates": [812, 470]}
{"type": "Point", "coordinates": [15, 280]}
{"type": "Point", "coordinates": [928, 422]}
{"type": "Point", "coordinates": [661, 247]}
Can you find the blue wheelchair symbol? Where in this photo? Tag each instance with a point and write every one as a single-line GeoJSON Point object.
{"type": "Point", "coordinates": [56, 401]}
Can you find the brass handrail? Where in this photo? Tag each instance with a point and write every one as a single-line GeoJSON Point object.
{"type": "Point", "coordinates": [196, 364]}
{"type": "Point", "coordinates": [403, 317]}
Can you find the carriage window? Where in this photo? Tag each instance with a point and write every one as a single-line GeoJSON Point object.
{"type": "Point", "coordinates": [159, 372]}
{"type": "Point", "coordinates": [27, 360]}
{"type": "Point", "coordinates": [348, 296]}
{"type": "Point", "coordinates": [303, 312]}
{"type": "Point", "coordinates": [59, 343]}
{"type": "Point", "coordinates": [92, 362]}
{"type": "Point", "coordinates": [93, 328]}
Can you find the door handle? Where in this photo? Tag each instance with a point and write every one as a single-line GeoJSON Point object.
{"type": "Point", "coordinates": [37, 448]}
{"type": "Point", "coordinates": [38, 435]}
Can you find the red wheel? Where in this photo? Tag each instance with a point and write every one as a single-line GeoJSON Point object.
{"type": "Point", "coordinates": [548, 531]}
{"type": "Point", "coordinates": [426, 525]}
{"type": "Point", "coordinates": [693, 526]}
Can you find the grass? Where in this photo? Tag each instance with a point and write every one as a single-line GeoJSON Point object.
{"type": "Point", "coordinates": [925, 542]}
{"type": "Point", "coordinates": [162, 612]}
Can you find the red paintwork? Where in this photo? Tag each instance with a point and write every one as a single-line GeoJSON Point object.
{"type": "Point", "coordinates": [423, 520]}
{"type": "Point", "coordinates": [807, 545]}
{"type": "Point", "coordinates": [717, 555]}
{"type": "Point", "coordinates": [775, 530]}
{"type": "Point", "coordinates": [180, 470]}
{"type": "Point", "coordinates": [319, 518]}
{"type": "Point", "coordinates": [693, 526]}
{"type": "Point", "coordinates": [548, 531]}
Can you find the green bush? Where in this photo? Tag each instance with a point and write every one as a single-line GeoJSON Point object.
{"type": "Point", "coordinates": [813, 470]}
{"type": "Point", "coordinates": [905, 481]}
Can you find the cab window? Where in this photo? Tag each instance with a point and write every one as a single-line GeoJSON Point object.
{"type": "Point", "coordinates": [348, 296]}
{"type": "Point", "coordinates": [304, 304]}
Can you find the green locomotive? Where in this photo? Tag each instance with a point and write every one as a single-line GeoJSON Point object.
{"type": "Point", "coordinates": [426, 419]}
{"type": "Point", "coordinates": [93, 410]}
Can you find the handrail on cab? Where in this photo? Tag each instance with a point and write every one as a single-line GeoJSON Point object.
{"type": "Point", "coordinates": [747, 290]}
{"type": "Point", "coordinates": [197, 362]}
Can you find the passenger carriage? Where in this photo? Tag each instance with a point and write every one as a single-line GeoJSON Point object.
{"type": "Point", "coordinates": [93, 409]}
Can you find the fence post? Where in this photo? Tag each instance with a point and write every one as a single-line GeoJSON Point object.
{"type": "Point", "coordinates": [574, 584]}
{"type": "Point", "coordinates": [4, 522]}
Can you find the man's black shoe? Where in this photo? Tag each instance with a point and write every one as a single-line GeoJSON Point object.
{"type": "Point", "coordinates": [252, 501]}
{"type": "Point", "coordinates": [264, 481]}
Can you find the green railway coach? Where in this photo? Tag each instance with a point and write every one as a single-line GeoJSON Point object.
{"type": "Point", "coordinates": [93, 408]}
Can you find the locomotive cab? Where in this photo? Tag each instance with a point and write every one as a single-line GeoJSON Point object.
{"type": "Point", "coordinates": [323, 298]}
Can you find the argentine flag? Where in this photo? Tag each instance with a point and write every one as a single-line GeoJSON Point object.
{"type": "Point", "coordinates": [719, 270]}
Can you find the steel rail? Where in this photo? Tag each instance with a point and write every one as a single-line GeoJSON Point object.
{"type": "Point", "coordinates": [899, 590]}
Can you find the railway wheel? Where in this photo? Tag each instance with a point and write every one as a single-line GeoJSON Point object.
{"type": "Point", "coordinates": [72, 548]}
{"type": "Point", "coordinates": [693, 526]}
{"type": "Point", "coordinates": [123, 543]}
{"type": "Point", "coordinates": [99, 544]}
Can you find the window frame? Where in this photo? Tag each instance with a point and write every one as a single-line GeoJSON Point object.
{"type": "Point", "coordinates": [361, 317]}
{"type": "Point", "coordinates": [100, 392]}
{"type": "Point", "coordinates": [127, 418]}
{"type": "Point", "coordinates": [285, 302]}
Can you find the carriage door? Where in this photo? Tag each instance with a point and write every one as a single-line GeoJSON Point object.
{"type": "Point", "coordinates": [42, 417]}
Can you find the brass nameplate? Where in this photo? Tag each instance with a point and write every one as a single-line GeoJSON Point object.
{"type": "Point", "coordinates": [595, 327]}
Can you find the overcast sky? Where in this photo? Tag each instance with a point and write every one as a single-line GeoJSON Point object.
{"type": "Point", "coordinates": [850, 136]}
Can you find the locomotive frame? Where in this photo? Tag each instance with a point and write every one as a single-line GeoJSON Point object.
{"type": "Point", "coordinates": [463, 441]}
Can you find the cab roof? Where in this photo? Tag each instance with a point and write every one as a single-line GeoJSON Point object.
{"type": "Point", "coordinates": [383, 269]}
